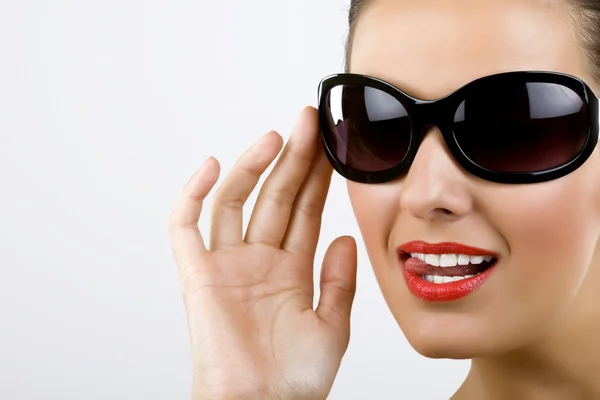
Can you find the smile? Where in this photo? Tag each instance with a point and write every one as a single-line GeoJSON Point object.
{"type": "Point", "coordinates": [444, 271]}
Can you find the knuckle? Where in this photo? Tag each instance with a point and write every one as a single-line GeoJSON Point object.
{"type": "Point", "coordinates": [233, 203]}
{"type": "Point", "coordinates": [175, 220]}
{"type": "Point", "coordinates": [311, 209]}
{"type": "Point", "coordinates": [224, 199]}
{"type": "Point", "coordinates": [301, 154]}
{"type": "Point", "coordinates": [249, 170]}
{"type": "Point", "coordinates": [180, 219]}
{"type": "Point", "coordinates": [343, 289]}
{"type": "Point", "coordinates": [281, 195]}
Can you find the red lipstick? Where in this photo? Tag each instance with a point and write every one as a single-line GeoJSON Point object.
{"type": "Point", "coordinates": [415, 269]}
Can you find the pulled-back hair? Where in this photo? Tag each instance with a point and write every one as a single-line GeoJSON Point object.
{"type": "Point", "coordinates": [585, 14]}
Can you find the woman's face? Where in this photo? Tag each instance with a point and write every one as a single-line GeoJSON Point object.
{"type": "Point", "coordinates": [544, 234]}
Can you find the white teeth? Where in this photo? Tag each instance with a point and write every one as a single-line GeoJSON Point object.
{"type": "Point", "coordinates": [451, 260]}
{"type": "Point", "coordinates": [463, 259]}
{"type": "Point", "coordinates": [448, 260]}
{"type": "Point", "coordinates": [476, 259]}
{"type": "Point", "coordinates": [445, 279]}
{"type": "Point", "coordinates": [432, 259]}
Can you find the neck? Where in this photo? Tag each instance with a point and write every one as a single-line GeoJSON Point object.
{"type": "Point", "coordinates": [565, 364]}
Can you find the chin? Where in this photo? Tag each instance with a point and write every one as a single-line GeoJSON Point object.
{"type": "Point", "coordinates": [456, 338]}
{"type": "Point", "coordinates": [449, 350]}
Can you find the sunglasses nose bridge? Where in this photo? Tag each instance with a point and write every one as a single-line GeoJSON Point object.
{"type": "Point", "coordinates": [429, 115]}
{"type": "Point", "coordinates": [434, 185]}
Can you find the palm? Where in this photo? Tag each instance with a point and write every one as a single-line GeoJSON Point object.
{"type": "Point", "coordinates": [265, 310]}
{"type": "Point", "coordinates": [250, 300]}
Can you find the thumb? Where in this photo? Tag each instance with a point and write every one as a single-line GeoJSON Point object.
{"type": "Point", "coordinates": [338, 284]}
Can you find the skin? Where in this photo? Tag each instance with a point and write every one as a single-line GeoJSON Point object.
{"type": "Point", "coordinates": [538, 312]}
{"type": "Point", "coordinates": [249, 298]}
{"type": "Point", "coordinates": [532, 329]}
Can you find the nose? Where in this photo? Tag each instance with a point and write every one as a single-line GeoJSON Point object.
{"type": "Point", "coordinates": [436, 186]}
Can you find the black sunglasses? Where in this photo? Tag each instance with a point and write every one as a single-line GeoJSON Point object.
{"type": "Point", "coordinates": [513, 127]}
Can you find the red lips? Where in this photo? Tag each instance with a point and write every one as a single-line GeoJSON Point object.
{"type": "Point", "coordinates": [413, 268]}
{"type": "Point", "coordinates": [444, 248]}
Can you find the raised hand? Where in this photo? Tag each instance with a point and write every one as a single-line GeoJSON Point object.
{"type": "Point", "coordinates": [249, 299]}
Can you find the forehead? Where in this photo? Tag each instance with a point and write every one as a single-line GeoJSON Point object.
{"type": "Point", "coordinates": [431, 47]}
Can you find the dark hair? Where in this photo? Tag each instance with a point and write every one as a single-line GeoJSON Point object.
{"type": "Point", "coordinates": [586, 14]}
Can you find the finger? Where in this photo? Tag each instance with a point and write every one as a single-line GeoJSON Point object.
{"type": "Point", "coordinates": [229, 200]}
{"type": "Point", "coordinates": [302, 235]}
{"type": "Point", "coordinates": [338, 284]}
{"type": "Point", "coordinates": [186, 239]}
{"type": "Point", "coordinates": [271, 213]}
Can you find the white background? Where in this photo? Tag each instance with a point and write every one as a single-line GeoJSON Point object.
{"type": "Point", "coordinates": [106, 109]}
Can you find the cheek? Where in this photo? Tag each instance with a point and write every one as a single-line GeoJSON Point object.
{"type": "Point", "coordinates": [550, 231]}
{"type": "Point", "coordinates": [376, 209]}
{"type": "Point", "coordinates": [547, 234]}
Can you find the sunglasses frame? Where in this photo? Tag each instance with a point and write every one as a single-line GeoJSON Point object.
{"type": "Point", "coordinates": [440, 113]}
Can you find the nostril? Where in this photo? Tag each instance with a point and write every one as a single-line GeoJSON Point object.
{"type": "Point", "coordinates": [443, 211]}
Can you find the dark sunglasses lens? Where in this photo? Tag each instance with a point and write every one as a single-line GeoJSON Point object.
{"type": "Point", "coordinates": [522, 128]}
{"type": "Point", "coordinates": [368, 130]}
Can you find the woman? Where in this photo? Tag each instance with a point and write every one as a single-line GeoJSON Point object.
{"type": "Point", "coordinates": [480, 212]}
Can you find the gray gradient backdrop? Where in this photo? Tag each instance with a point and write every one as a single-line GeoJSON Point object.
{"type": "Point", "coordinates": [106, 109]}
